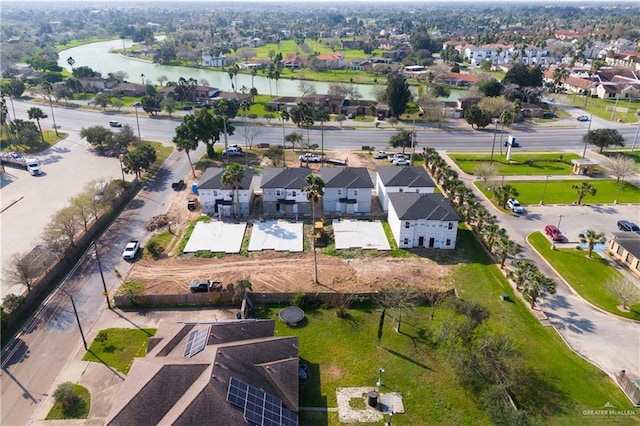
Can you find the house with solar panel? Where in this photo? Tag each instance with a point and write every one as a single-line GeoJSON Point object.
{"type": "Point", "coordinates": [226, 373]}
{"type": "Point", "coordinates": [347, 190]}
{"type": "Point", "coordinates": [216, 198]}
{"type": "Point", "coordinates": [282, 191]}
{"type": "Point", "coordinates": [392, 179]}
{"type": "Point", "coordinates": [423, 220]}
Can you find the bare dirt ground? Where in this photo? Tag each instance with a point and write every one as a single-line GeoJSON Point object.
{"type": "Point", "coordinates": [283, 272]}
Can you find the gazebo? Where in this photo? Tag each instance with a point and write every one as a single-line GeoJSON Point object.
{"type": "Point", "coordinates": [584, 166]}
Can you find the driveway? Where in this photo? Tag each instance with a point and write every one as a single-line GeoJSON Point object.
{"type": "Point", "coordinates": [609, 342]}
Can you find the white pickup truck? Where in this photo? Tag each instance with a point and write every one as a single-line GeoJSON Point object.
{"type": "Point", "coordinates": [15, 159]}
{"type": "Point", "coordinates": [310, 157]}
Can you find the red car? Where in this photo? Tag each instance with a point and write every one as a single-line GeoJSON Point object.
{"type": "Point", "coordinates": [553, 232]}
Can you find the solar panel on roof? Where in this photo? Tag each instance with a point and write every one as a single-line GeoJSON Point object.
{"type": "Point", "coordinates": [258, 407]}
{"type": "Point", "coordinates": [196, 341]}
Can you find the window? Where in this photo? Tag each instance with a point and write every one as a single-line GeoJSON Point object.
{"type": "Point", "coordinates": [450, 225]}
{"type": "Point", "coordinates": [407, 225]}
{"type": "Point", "coordinates": [278, 193]}
{"type": "Point", "coordinates": [293, 193]}
{"type": "Point", "coordinates": [215, 193]}
{"type": "Point", "coordinates": [620, 250]}
{"type": "Point", "coordinates": [627, 259]}
{"type": "Point", "coordinates": [339, 191]}
{"type": "Point", "coordinates": [405, 241]}
{"type": "Point", "coordinates": [448, 242]}
{"type": "Point", "coordinates": [401, 190]}
{"type": "Point", "coordinates": [417, 190]}
{"type": "Point", "coordinates": [355, 192]}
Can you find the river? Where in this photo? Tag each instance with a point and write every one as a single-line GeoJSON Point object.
{"type": "Point", "coordinates": [100, 57]}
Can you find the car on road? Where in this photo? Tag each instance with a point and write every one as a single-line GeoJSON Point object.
{"type": "Point", "coordinates": [625, 225]}
{"type": "Point", "coordinates": [380, 155]}
{"type": "Point", "coordinates": [131, 250]}
{"type": "Point", "coordinates": [553, 232]}
{"type": "Point", "coordinates": [310, 157]}
{"type": "Point", "coordinates": [179, 185]}
{"type": "Point", "coordinates": [514, 205]}
{"type": "Point", "coordinates": [583, 118]}
{"type": "Point", "coordinates": [114, 123]}
{"type": "Point", "coordinates": [514, 144]}
{"type": "Point", "coordinates": [233, 151]}
{"type": "Point", "coordinates": [204, 286]}
{"type": "Point", "coordinates": [401, 162]}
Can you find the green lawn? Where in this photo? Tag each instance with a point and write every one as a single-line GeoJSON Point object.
{"type": "Point", "coordinates": [518, 164]}
{"type": "Point", "coordinates": [586, 276]}
{"type": "Point", "coordinates": [50, 139]}
{"type": "Point", "coordinates": [560, 192]}
{"type": "Point", "coordinates": [635, 154]}
{"type": "Point", "coordinates": [559, 384]}
{"type": "Point", "coordinates": [78, 411]}
{"type": "Point", "coordinates": [116, 347]}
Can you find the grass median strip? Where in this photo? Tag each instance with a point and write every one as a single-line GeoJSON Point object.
{"type": "Point", "coordinates": [587, 276]}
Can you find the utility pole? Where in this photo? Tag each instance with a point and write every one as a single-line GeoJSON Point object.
{"type": "Point", "coordinates": [104, 284]}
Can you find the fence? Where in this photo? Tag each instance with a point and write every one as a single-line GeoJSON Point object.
{"type": "Point", "coordinates": [225, 298]}
{"type": "Point", "coordinates": [629, 387]}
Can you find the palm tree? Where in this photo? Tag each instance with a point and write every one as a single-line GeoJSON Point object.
{"type": "Point", "coordinates": [492, 233]}
{"type": "Point", "coordinates": [48, 89]}
{"type": "Point", "coordinates": [232, 176]}
{"type": "Point", "coordinates": [504, 192]}
{"type": "Point", "coordinates": [538, 285]}
{"type": "Point", "coordinates": [585, 188]}
{"type": "Point", "coordinates": [591, 238]}
{"type": "Point", "coordinates": [506, 247]}
{"type": "Point", "coordinates": [36, 113]}
{"type": "Point", "coordinates": [314, 189]}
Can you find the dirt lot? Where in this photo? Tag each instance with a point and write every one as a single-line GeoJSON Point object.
{"type": "Point", "coordinates": [284, 272]}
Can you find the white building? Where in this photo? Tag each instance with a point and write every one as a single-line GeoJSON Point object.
{"type": "Point", "coordinates": [423, 220]}
{"type": "Point", "coordinates": [209, 60]}
{"type": "Point", "coordinates": [393, 179]}
{"type": "Point", "coordinates": [346, 190]}
{"type": "Point", "coordinates": [217, 199]}
{"type": "Point", "coordinates": [282, 191]}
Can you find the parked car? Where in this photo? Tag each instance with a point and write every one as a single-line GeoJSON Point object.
{"type": "Point", "coordinates": [114, 123]}
{"type": "Point", "coordinates": [351, 116]}
{"type": "Point", "coordinates": [380, 155]}
{"type": "Point", "coordinates": [204, 286]}
{"type": "Point", "coordinates": [553, 232]}
{"type": "Point", "coordinates": [583, 118]}
{"type": "Point", "coordinates": [310, 157]}
{"type": "Point", "coordinates": [187, 107]}
{"type": "Point", "coordinates": [179, 185]}
{"type": "Point", "coordinates": [625, 225]}
{"type": "Point", "coordinates": [549, 115]}
{"type": "Point", "coordinates": [131, 250]}
{"type": "Point", "coordinates": [393, 157]}
{"type": "Point", "coordinates": [232, 152]}
{"type": "Point", "coordinates": [514, 205]}
{"type": "Point", "coordinates": [401, 162]}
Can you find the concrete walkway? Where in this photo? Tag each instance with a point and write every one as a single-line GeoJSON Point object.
{"type": "Point", "coordinates": [611, 343]}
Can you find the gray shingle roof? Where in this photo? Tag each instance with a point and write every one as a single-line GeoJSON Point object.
{"type": "Point", "coordinates": [412, 206]}
{"type": "Point", "coordinates": [630, 241]}
{"type": "Point", "coordinates": [412, 177]}
{"type": "Point", "coordinates": [285, 177]}
{"type": "Point", "coordinates": [346, 177]}
{"type": "Point", "coordinates": [212, 179]}
{"type": "Point", "coordinates": [169, 388]}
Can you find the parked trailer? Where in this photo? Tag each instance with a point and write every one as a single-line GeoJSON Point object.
{"type": "Point", "coordinates": [13, 158]}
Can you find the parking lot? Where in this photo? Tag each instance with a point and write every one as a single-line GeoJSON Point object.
{"type": "Point", "coordinates": [28, 202]}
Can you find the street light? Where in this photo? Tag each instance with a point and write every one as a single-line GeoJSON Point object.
{"type": "Point", "coordinates": [544, 191]}
{"type": "Point", "coordinates": [553, 244]}
{"type": "Point", "coordinates": [104, 284]}
{"type": "Point", "coordinates": [136, 105]}
{"type": "Point", "coordinates": [75, 311]}
{"type": "Point", "coordinates": [584, 151]}
{"type": "Point", "coordinates": [142, 77]}
{"type": "Point", "coordinates": [493, 145]}
{"type": "Point", "coordinates": [635, 137]}
{"type": "Point", "coordinates": [620, 185]}
{"type": "Point", "coordinates": [560, 221]}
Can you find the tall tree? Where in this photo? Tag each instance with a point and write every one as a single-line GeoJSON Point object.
{"type": "Point", "coordinates": [139, 160]}
{"type": "Point", "coordinates": [232, 176]}
{"type": "Point", "coordinates": [620, 166]}
{"type": "Point", "coordinates": [480, 118]}
{"type": "Point", "coordinates": [591, 238]}
{"type": "Point", "coordinates": [314, 190]}
{"type": "Point", "coordinates": [23, 270]}
{"type": "Point", "coordinates": [603, 138]}
{"type": "Point", "coordinates": [397, 94]}
{"type": "Point", "coordinates": [36, 113]}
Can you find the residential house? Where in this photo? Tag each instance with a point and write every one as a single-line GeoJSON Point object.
{"type": "Point", "coordinates": [352, 44]}
{"type": "Point", "coordinates": [326, 103]}
{"type": "Point", "coordinates": [625, 247]}
{"type": "Point", "coordinates": [457, 79]}
{"type": "Point", "coordinates": [465, 103]}
{"type": "Point", "coordinates": [330, 61]}
{"type": "Point", "coordinates": [96, 84]}
{"type": "Point", "coordinates": [209, 60]}
{"type": "Point", "coordinates": [422, 220]}
{"type": "Point", "coordinates": [346, 190]}
{"type": "Point", "coordinates": [393, 179]}
{"type": "Point", "coordinates": [624, 59]}
{"type": "Point", "coordinates": [206, 374]}
{"type": "Point", "coordinates": [578, 85]}
{"type": "Point", "coordinates": [282, 191]}
{"type": "Point", "coordinates": [497, 53]}
{"type": "Point", "coordinates": [529, 110]}
{"type": "Point", "coordinates": [217, 198]}
{"type": "Point", "coordinates": [359, 64]}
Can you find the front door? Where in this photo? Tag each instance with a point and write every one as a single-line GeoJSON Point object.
{"type": "Point", "coordinates": [432, 242]}
{"type": "Point", "coordinates": [420, 241]}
